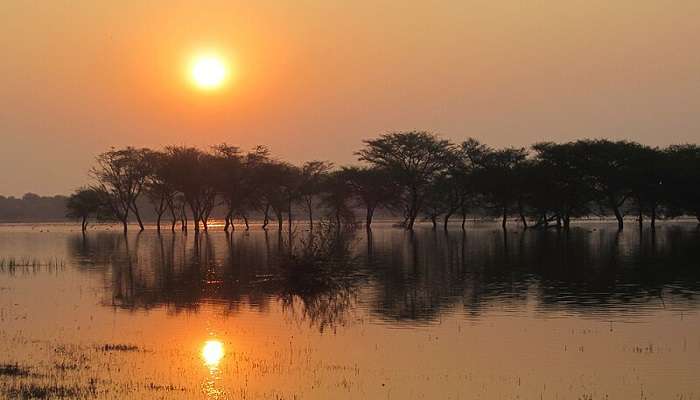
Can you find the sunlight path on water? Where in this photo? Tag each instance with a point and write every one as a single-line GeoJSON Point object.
{"type": "Point", "coordinates": [427, 315]}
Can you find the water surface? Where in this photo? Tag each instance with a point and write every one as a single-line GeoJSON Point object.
{"type": "Point", "coordinates": [594, 314]}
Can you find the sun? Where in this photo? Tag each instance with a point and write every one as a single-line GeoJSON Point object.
{"type": "Point", "coordinates": [209, 72]}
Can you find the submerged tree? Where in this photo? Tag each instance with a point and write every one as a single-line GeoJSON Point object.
{"type": "Point", "coordinates": [121, 176]}
{"type": "Point", "coordinates": [413, 159]}
{"type": "Point", "coordinates": [192, 173]}
{"type": "Point", "coordinates": [83, 204]}
{"type": "Point", "coordinates": [159, 190]}
{"type": "Point", "coordinates": [495, 175]}
{"type": "Point", "coordinates": [228, 180]}
{"type": "Point", "coordinates": [313, 174]}
{"type": "Point", "coordinates": [682, 181]}
{"type": "Point", "coordinates": [412, 172]}
{"type": "Point", "coordinates": [373, 187]}
{"type": "Point", "coordinates": [336, 195]}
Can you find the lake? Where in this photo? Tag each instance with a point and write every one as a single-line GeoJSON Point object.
{"type": "Point", "coordinates": [592, 314]}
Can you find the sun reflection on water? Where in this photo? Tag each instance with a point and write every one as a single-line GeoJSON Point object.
{"type": "Point", "coordinates": [212, 353]}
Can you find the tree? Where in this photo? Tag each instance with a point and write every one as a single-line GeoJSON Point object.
{"type": "Point", "coordinates": [336, 195]}
{"type": "Point", "coordinates": [192, 172]}
{"type": "Point", "coordinates": [373, 186]}
{"type": "Point", "coordinates": [608, 166]}
{"type": "Point", "coordinates": [495, 174]}
{"type": "Point", "coordinates": [228, 179]}
{"type": "Point", "coordinates": [83, 204]}
{"type": "Point", "coordinates": [571, 190]}
{"type": "Point", "coordinates": [279, 186]}
{"type": "Point", "coordinates": [682, 180]}
{"type": "Point", "coordinates": [121, 176]}
{"type": "Point", "coordinates": [159, 191]}
{"type": "Point", "coordinates": [649, 169]}
{"type": "Point", "coordinates": [312, 176]}
{"type": "Point", "coordinates": [413, 159]}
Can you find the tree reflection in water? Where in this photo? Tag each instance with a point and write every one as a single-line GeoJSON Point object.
{"type": "Point", "coordinates": [396, 275]}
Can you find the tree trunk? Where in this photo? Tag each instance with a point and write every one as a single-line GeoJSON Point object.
{"type": "Point", "coordinates": [245, 220]}
{"type": "Point", "coordinates": [641, 218]}
{"type": "Point", "coordinates": [370, 214]}
{"type": "Point", "coordinates": [411, 221]}
{"type": "Point", "coordinates": [83, 225]}
{"type": "Point", "coordinates": [505, 218]}
{"type": "Point", "coordinates": [433, 219]}
{"type": "Point", "coordinates": [523, 219]}
{"type": "Point", "coordinates": [160, 215]}
{"type": "Point", "coordinates": [447, 220]}
{"type": "Point", "coordinates": [289, 214]}
{"type": "Point", "coordinates": [309, 206]}
{"type": "Point", "coordinates": [266, 218]}
{"type": "Point", "coordinates": [522, 214]}
{"type": "Point", "coordinates": [653, 217]}
{"type": "Point", "coordinates": [227, 221]}
{"type": "Point", "coordinates": [412, 209]}
{"type": "Point", "coordinates": [464, 218]}
{"type": "Point", "coordinates": [567, 222]}
{"type": "Point", "coordinates": [280, 221]}
{"type": "Point", "coordinates": [137, 214]}
{"type": "Point", "coordinates": [124, 223]}
{"type": "Point", "coordinates": [618, 216]}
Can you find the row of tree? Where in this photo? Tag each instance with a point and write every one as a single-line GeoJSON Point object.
{"type": "Point", "coordinates": [415, 174]}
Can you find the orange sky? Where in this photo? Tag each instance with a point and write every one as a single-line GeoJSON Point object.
{"type": "Point", "coordinates": [313, 78]}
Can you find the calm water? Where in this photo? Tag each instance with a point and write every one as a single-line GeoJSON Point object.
{"type": "Point", "coordinates": [393, 315]}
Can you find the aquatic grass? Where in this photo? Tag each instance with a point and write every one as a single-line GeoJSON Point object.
{"type": "Point", "coordinates": [170, 388]}
{"type": "Point", "coordinates": [13, 370]}
{"type": "Point", "coordinates": [119, 347]}
{"type": "Point", "coordinates": [11, 264]}
{"type": "Point", "coordinates": [49, 391]}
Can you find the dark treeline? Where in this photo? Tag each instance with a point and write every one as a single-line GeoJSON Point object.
{"type": "Point", "coordinates": [414, 174]}
{"type": "Point", "coordinates": [32, 207]}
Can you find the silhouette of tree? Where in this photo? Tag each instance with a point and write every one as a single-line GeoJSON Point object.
{"type": "Point", "coordinates": [159, 190]}
{"type": "Point", "coordinates": [336, 194]}
{"type": "Point", "coordinates": [313, 174]}
{"type": "Point", "coordinates": [374, 187]}
{"type": "Point", "coordinates": [682, 182]}
{"type": "Point", "coordinates": [571, 190]}
{"type": "Point", "coordinates": [608, 165]}
{"type": "Point", "coordinates": [192, 174]}
{"type": "Point", "coordinates": [495, 174]}
{"type": "Point", "coordinates": [414, 172]}
{"type": "Point", "coordinates": [649, 169]}
{"type": "Point", "coordinates": [228, 180]}
{"type": "Point", "coordinates": [83, 204]}
{"type": "Point", "coordinates": [413, 158]}
{"type": "Point", "coordinates": [254, 183]}
{"type": "Point", "coordinates": [121, 176]}
{"type": "Point", "coordinates": [279, 183]}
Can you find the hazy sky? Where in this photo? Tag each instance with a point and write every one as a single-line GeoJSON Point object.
{"type": "Point", "coordinates": [311, 79]}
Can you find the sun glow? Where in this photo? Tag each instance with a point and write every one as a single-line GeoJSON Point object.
{"type": "Point", "coordinates": [212, 352]}
{"type": "Point", "coordinates": [209, 72]}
